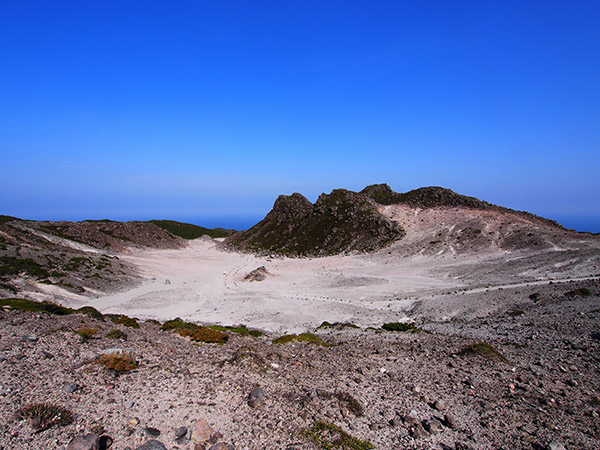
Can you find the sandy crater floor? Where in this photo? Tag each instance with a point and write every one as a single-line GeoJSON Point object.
{"type": "Point", "coordinates": [204, 284]}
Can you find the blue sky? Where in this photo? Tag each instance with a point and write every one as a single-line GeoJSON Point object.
{"type": "Point", "coordinates": [207, 111]}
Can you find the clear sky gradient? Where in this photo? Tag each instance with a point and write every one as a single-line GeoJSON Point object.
{"type": "Point", "coordinates": [206, 111]}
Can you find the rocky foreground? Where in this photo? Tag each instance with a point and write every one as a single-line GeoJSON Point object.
{"type": "Point", "coordinates": [531, 381]}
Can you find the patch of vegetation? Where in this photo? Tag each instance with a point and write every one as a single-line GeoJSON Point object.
{"type": "Point", "coordinates": [90, 311]}
{"type": "Point", "coordinates": [241, 330]}
{"type": "Point", "coordinates": [328, 436]}
{"type": "Point", "coordinates": [45, 415]}
{"type": "Point", "coordinates": [352, 404]}
{"type": "Point", "coordinates": [400, 326]}
{"type": "Point", "coordinates": [178, 324]}
{"type": "Point", "coordinates": [337, 325]}
{"type": "Point", "coordinates": [116, 334]}
{"type": "Point", "coordinates": [204, 334]}
{"type": "Point", "coordinates": [21, 304]}
{"type": "Point", "coordinates": [535, 296]}
{"type": "Point", "coordinates": [579, 292]}
{"type": "Point", "coordinates": [190, 231]}
{"type": "Point", "coordinates": [77, 262]}
{"type": "Point", "coordinates": [119, 362]}
{"type": "Point", "coordinates": [124, 320]}
{"type": "Point", "coordinates": [304, 337]}
{"type": "Point", "coordinates": [483, 349]}
{"type": "Point", "coordinates": [86, 333]}
{"type": "Point", "coordinates": [10, 266]}
{"type": "Point", "coordinates": [516, 313]}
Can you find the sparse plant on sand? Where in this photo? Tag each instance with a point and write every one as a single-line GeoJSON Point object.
{"type": "Point", "coordinates": [45, 415]}
{"type": "Point", "coordinates": [328, 436]}
{"type": "Point", "coordinates": [579, 292]}
{"type": "Point", "coordinates": [178, 324]}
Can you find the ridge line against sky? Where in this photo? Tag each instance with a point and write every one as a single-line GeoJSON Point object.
{"type": "Point", "coordinates": [207, 111]}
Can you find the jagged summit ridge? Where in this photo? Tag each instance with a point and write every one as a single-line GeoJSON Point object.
{"type": "Point", "coordinates": [339, 222]}
{"type": "Point", "coordinates": [346, 221]}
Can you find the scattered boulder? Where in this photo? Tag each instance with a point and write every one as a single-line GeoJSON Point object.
{"type": "Point", "coordinates": [70, 388]}
{"type": "Point", "coordinates": [152, 445]}
{"type": "Point", "coordinates": [258, 274]}
{"type": "Point", "coordinates": [555, 445]}
{"type": "Point", "coordinates": [256, 397]}
{"type": "Point", "coordinates": [180, 433]}
{"type": "Point", "coordinates": [434, 426]}
{"type": "Point", "coordinates": [91, 441]}
{"type": "Point", "coordinates": [201, 431]}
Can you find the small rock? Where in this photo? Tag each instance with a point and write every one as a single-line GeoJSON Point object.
{"type": "Point", "coordinates": [222, 446]}
{"type": "Point", "coordinates": [216, 437]}
{"type": "Point", "coordinates": [256, 396]}
{"type": "Point", "coordinates": [201, 431]}
{"type": "Point", "coordinates": [439, 405]}
{"type": "Point", "coordinates": [69, 388]}
{"type": "Point", "coordinates": [47, 354]}
{"type": "Point", "coordinates": [85, 442]}
{"type": "Point", "coordinates": [555, 445]}
{"type": "Point", "coordinates": [29, 338]}
{"type": "Point", "coordinates": [434, 426]}
{"type": "Point", "coordinates": [152, 432]}
{"type": "Point", "coordinates": [450, 420]}
{"type": "Point", "coordinates": [395, 422]}
{"type": "Point", "coordinates": [129, 404]}
{"type": "Point", "coordinates": [180, 433]}
{"type": "Point", "coordinates": [411, 417]}
{"type": "Point", "coordinates": [418, 432]}
{"type": "Point", "coordinates": [152, 445]}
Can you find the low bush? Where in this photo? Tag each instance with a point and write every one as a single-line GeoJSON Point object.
{"type": "Point", "coordinates": [119, 362]}
{"type": "Point", "coordinates": [86, 333]}
{"type": "Point", "coordinates": [579, 292]}
{"type": "Point", "coordinates": [304, 337]}
{"type": "Point", "coordinates": [45, 415]}
{"type": "Point", "coordinates": [241, 330]}
{"type": "Point", "coordinates": [116, 334]}
{"type": "Point", "coordinates": [178, 324]}
{"type": "Point", "coordinates": [21, 304]}
{"type": "Point", "coordinates": [90, 311]}
{"type": "Point", "coordinates": [121, 319]}
{"type": "Point", "coordinates": [204, 334]}
{"type": "Point", "coordinates": [328, 436]}
{"type": "Point", "coordinates": [337, 325]}
{"type": "Point", "coordinates": [400, 326]}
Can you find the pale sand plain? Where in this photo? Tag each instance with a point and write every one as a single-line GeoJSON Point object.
{"type": "Point", "coordinates": [204, 284]}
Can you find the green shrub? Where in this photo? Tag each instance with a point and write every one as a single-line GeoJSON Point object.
{"type": "Point", "coordinates": [241, 330]}
{"type": "Point", "coordinates": [178, 324]}
{"type": "Point", "coordinates": [204, 334]}
{"type": "Point", "coordinates": [535, 296]}
{"type": "Point", "coordinates": [399, 326]}
{"type": "Point", "coordinates": [328, 436]}
{"type": "Point", "coordinates": [483, 349]}
{"type": "Point", "coordinates": [338, 325]}
{"type": "Point", "coordinates": [119, 362]}
{"type": "Point", "coordinates": [90, 311]}
{"type": "Point", "coordinates": [516, 313]}
{"type": "Point", "coordinates": [121, 319]}
{"type": "Point", "coordinates": [45, 415]}
{"type": "Point", "coordinates": [116, 334]}
{"type": "Point", "coordinates": [21, 304]}
{"type": "Point", "coordinates": [86, 333]}
{"type": "Point", "coordinates": [304, 337]}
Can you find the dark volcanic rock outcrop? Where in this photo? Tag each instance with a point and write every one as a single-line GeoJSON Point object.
{"type": "Point", "coordinates": [339, 222]}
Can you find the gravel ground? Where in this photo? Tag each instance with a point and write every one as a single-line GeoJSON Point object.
{"type": "Point", "coordinates": [393, 389]}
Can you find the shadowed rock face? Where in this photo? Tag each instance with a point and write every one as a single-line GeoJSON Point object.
{"type": "Point", "coordinates": [339, 222]}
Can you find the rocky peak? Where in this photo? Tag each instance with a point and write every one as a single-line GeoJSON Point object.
{"type": "Point", "coordinates": [289, 207]}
